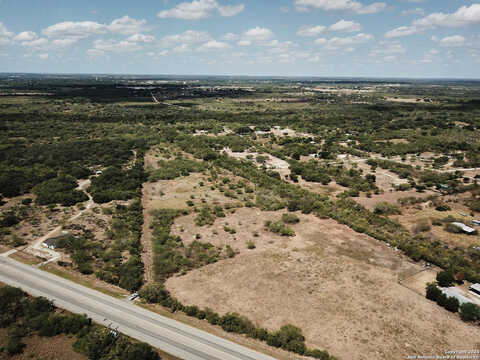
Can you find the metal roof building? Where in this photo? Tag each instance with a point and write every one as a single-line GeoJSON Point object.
{"type": "Point", "coordinates": [475, 288]}
{"type": "Point", "coordinates": [464, 227]}
{"type": "Point", "coordinates": [451, 292]}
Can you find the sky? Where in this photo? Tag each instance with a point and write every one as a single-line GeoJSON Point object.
{"type": "Point", "coordinates": [364, 38]}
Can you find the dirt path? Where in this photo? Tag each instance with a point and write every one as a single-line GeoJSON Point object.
{"type": "Point", "coordinates": [38, 249]}
{"type": "Point", "coordinates": [146, 239]}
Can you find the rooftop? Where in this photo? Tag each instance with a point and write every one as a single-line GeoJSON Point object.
{"type": "Point", "coordinates": [464, 227]}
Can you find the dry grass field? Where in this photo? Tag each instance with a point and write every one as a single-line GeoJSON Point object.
{"type": "Point", "coordinates": [42, 348]}
{"type": "Point", "coordinates": [342, 288]}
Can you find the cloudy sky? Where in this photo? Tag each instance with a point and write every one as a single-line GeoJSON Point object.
{"type": "Point", "coordinates": [397, 38]}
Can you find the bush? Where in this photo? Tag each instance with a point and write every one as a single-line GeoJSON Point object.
{"type": "Point", "coordinates": [384, 208]}
{"type": "Point", "coordinates": [452, 304]}
{"type": "Point", "coordinates": [233, 322]}
{"type": "Point", "coordinates": [445, 278]}
{"type": "Point", "coordinates": [443, 207]}
{"type": "Point", "coordinates": [14, 346]}
{"type": "Point", "coordinates": [280, 228]}
{"type": "Point", "coordinates": [421, 226]}
{"type": "Point", "coordinates": [469, 312]}
{"type": "Point", "coordinates": [442, 299]}
{"type": "Point", "coordinates": [454, 229]}
{"type": "Point", "coordinates": [290, 219]}
{"type": "Point", "coordinates": [433, 292]}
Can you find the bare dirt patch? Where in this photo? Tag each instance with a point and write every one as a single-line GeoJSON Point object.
{"type": "Point", "coordinates": [419, 280]}
{"type": "Point", "coordinates": [390, 197]}
{"type": "Point", "coordinates": [339, 286]}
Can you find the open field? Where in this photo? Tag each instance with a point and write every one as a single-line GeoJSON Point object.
{"type": "Point", "coordinates": [345, 280]}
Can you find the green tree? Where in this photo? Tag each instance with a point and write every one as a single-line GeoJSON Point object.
{"type": "Point", "coordinates": [452, 304]}
{"type": "Point", "coordinates": [469, 312]}
{"type": "Point", "coordinates": [445, 278]}
{"type": "Point", "coordinates": [433, 292]}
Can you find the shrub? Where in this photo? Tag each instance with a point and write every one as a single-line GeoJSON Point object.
{"type": "Point", "coordinates": [233, 322]}
{"type": "Point", "coordinates": [452, 304]}
{"type": "Point", "coordinates": [230, 252]}
{"type": "Point", "coordinates": [251, 245]}
{"type": "Point", "coordinates": [290, 219]}
{"type": "Point", "coordinates": [433, 292]}
{"type": "Point", "coordinates": [154, 293]}
{"type": "Point", "coordinates": [443, 207]}
{"type": "Point", "coordinates": [454, 229]}
{"type": "Point", "coordinates": [421, 226]}
{"type": "Point", "coordinates": [445, 278]}
{"type": "Point", "coordinates": [442, 300]}
{"type": "Point", "coordinates": [469, 312]}
{"type": "Point", "coordinates": [384, 208]}
{"type": "Point", "coordinates": [280, 228]}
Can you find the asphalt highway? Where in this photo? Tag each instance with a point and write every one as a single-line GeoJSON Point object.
{"type": "Point", "coordinates": [163, 333]}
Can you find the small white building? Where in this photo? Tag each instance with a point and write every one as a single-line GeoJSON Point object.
{"type": "Point", "coordinates": [452, 292]}
{"type": "Point", "coordinates": [466, 229]}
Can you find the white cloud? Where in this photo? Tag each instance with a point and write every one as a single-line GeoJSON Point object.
{"type": "Point", "coordinates": [402, 31]}
{"type": "Point", "coordinates": [5, 35]}
{"type": "Point", "coordinates": [188, 37]}
{"type": "Point", "coordinates": [126, 26]}
{"type": "Point", "coordinates": [340, 5]}
{"type": "Point", "coordinates": [230, 37]}
{"type": "Point", "coordinates": [63, 43]}
{"type": "Point", "coordinates": [346, 26]}
{"type": "Point", "coordinates": [340, 26]}
{"type": "Point", "coordinates": [71, 29]}
{"type": "Point", "coordinates": [83, 29]}
{"type": "Point", "coordinates": [36, 43]}
{"type": "Point", "coordinates": [311, 30]}
{"type": "Point", "coordinates": [415, 11]}
{"type": "Point", "coordinates": [387, 49]}
{"type": "Point", "coordinates": [200, 9]}
{"type": "Point", "coordinates": [455, 40]}
{"type": "Point", "coordinates": [92, 53]}
{"type": "Point", "coordinates": [258, 34]}
{"type": "Point", "coordinates": [141, 38]}
{"type": "Point", "coordinates": [244, 43]}
{"type": "Point", "coordinates": [115, 46]}
{"type": "Point", "coordinates": [181, 48]}
{"type": "Point", "coordinates": [338, 42]}
{"type": "Point", "coordinates": [465, 15]}
{"type": "Point", "coordinates": [25, 36]}
{"type": "Point", "coordinates": [213, 45]}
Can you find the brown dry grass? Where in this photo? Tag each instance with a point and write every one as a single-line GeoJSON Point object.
{"type": "Point", "coordinates": [339, 286]}
{"type": "Point", "coordinates": [390, 197]}
{"type": "Point", "coordinates": [412, 215]}
{"type": "Point", "coordinates": [51, 348]}
{"type": "Point", "coordinates": [26, 258]}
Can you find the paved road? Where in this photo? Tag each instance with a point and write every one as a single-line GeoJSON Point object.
{"type": "Point", "coordinates": [166, 334]}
